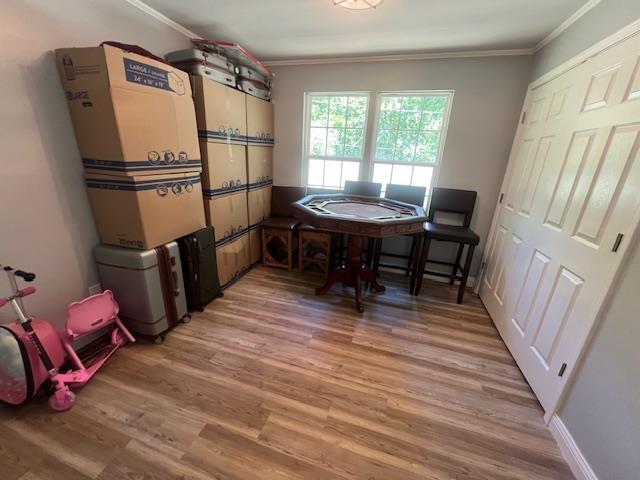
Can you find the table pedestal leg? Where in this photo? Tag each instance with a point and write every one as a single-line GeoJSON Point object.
{"type": "Point", "coordinates": [353, 273]}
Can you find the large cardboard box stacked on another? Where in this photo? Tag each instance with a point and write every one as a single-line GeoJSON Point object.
{"type": "Point", "coordinates": [146, 211]}
{"type": "Point", "coordinates": [255, 245]}
{"type": "Point", "coordinates": [259, 203]}
{"type": "Point", "coordinates": [221, 111]}
{"type": "Point", "coordinates": [132, 115]}
{"type": "Point", "coordinates": [225, 188]}
{"type": "Point", "coordinates": [260, 129]}
{"type": "Point", "coordinates": [259, 166]}
{"type": "Point", "coordinates": [135, 126]}
{"type": "Point", "coordinates": [260, 178]}
{"type": "Point", "coordinates": [233, 259]}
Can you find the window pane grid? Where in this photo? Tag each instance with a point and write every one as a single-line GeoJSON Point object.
{"type": "Point", "coordinates": [340, 119]}
{"type": "Point", "coordinates": [409, 128]}
{"type": "Point", "coordinates": [408, 137]}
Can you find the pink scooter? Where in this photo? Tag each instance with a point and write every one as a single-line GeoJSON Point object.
{"type": "Point", "coordinates": [33, 351]}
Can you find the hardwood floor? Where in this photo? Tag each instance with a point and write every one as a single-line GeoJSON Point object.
{"type": "Point", "coordinates": [272, 382]}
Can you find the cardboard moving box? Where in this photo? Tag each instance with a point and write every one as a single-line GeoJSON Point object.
{"type": "Point", "coordinates": [233, 260]}
{"type": "Point", "coordinates": [259, 166]}
{"type": "Point", "coordinates": [146, 211]}
{"type": "Point", "coordinates": [227, 214]}
{"type": "Point", "coordinates": [224, 168]}
{"type": "Point", "coordinates": [259, 121]}
{"type": "Point", "coordinates": [221, 112]}
{"type": "Point", "coordinates": [132, 115]}
{"type": "Point", "coordinates": [255, 245]}
{"type": "Point", "coordinates": [259, 203]}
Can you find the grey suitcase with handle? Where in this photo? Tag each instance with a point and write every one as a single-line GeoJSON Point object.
{"type": "Point", "coordinates": [148, 285]}
{"type": "Point", "coordinates": [195, 55]}
{"type": "Point", "coordinates": [254, 88]}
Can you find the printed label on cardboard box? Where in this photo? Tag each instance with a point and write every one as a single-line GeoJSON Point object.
{"type": "Point", "coordinates": [144, 74]}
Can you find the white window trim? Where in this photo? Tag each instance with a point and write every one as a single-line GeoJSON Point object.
{"type": "Point", "coordinates": [304, 171]}
{"type": "Point", "coordinates": [367, 160]}
{"type": "Point", "coordinates": [443, 140]}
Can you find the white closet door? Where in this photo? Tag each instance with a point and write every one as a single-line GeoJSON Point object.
{"type": "Point", "coordinates": [571, 197]}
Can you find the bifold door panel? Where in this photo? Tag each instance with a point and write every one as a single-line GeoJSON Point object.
{"type": "Point", "coordinates": [571, 203]}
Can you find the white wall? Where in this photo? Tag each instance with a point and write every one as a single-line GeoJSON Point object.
{"type": "Point", "coordinates": [46, 224]}
{"type": "Point", "coordinates": [602, 408]}
{"type": "Point", "coordinates": [488, 98]}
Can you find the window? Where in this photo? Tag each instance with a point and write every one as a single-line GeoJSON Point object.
{"type": "Point", "coordinates": [407, 140]}
{"type": "Point", "coordinates": [334, 146]}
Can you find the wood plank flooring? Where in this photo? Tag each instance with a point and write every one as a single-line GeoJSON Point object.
{"type": "Point", "coordinates": [272, 382]}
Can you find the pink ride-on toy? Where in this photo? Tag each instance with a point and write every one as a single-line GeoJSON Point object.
{"type": "Point", "coordinates": [33, 352]}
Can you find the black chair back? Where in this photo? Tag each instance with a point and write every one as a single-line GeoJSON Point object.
{"type": "Point", "coordinates": [452, 200]}
{"type": "Point", "coordinates": [321, 191]}
{"type": "Point", "coordinates": [282, 198]}
{"type": "Point", "coordinates": [406, 194]}
{"type": "Point", "coordinates": [366, 189]}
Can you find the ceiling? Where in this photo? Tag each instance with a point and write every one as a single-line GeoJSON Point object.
{"type": "Point", "coordinates": [296, 29]}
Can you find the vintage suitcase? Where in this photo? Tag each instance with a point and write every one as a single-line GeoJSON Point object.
{"type": "Point", "coordinates": [147, 285]}
{"type": "Point", "coordinates": [252, 74]}
{"type": "Point", "coordinates": [199, 268]}
{"type": "Point", "coordinates": [235, 53]}
{"type": "Point", "coordinates": [195, 55]}
{"type": "Point", "coordinates": [213, 73]}
{"type": "Point", "coordinates": [254, 88]}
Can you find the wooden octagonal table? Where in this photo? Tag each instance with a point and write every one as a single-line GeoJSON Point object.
{"type": "Point", "coordinates": [358, 217]}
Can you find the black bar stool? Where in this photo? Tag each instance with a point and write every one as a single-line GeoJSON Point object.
{"type": "Point", "coordinates": [406, 194]}
{"type": "Point", "coordinates": [451, 201]}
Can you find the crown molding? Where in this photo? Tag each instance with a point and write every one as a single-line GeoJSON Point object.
{"type": "Point", "coordinates": [566, 24]}
{"type": "Point", "coordinates": [162, 18]}
{"type": "Point", "coordinates": [401, 57]}
{"type": "Point", "coordinates": [621, 35]}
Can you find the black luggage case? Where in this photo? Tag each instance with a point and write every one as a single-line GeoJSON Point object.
{"type": "Point", "coordinates": [199, 266]}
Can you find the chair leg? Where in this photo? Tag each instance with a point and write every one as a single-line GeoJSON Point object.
{"type": "Point", "coordinates": [414, 263]}
{"type": "Point", "coordinates": [370, 251]}
{"type": "Point", "coordinates": [457, 262]}
{"type": "Point", "coordinates": [300, 248]}
{"type": "Point", "coordinates": [419, 272]}
{"type": "Point", "coordinates": [377, 250]}
{"type": "Point", "coordinates": [290, 250]}
{"type": "Point", "coordinates": [264, 248]}
{"type": "Point", "coordinates": [414, 241]}
{"type": "Point", "coordinates": [465, 273]}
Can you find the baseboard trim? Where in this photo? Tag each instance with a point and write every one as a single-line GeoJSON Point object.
{"type": "Point", "coordinates": [572, 454]}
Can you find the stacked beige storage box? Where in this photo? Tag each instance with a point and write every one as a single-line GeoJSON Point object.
{"type": "Point", "coordinates": [135, 126]}
{"type": "Point", "coordinates": [224, 115]}
{"type": "Point", "coordinates": [260, 140]}
{"type": "Point", "coordinates": [236, 143]}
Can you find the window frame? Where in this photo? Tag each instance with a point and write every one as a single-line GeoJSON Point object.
{"type": "Point", "coordinates": [306, 156]}
{"type": "Point", "coordinates": [371, 127]}
{"type": "Point", "coordinates": [443, 134]}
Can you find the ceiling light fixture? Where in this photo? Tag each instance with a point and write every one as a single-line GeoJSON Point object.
{"type": "Point", "coordinates": [357, 4]}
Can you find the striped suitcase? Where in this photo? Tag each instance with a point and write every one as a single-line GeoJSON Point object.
{"type": "Point", "coordinates": [147, 284]}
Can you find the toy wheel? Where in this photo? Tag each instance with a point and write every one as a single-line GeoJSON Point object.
{"type": "Point", "coordinates": [159, 340]}
{"type": "Point", "coordinates": [64, 404]}
{"type": "Point", "coordinates": [118, 337]}
{"type": "Point", "coordinates": [186, 318]}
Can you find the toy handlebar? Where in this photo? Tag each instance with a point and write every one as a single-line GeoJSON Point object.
{"type": "Point", "coordinates": [26, 276]}
{"type": "Point", "coordinates": [26, 291]}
